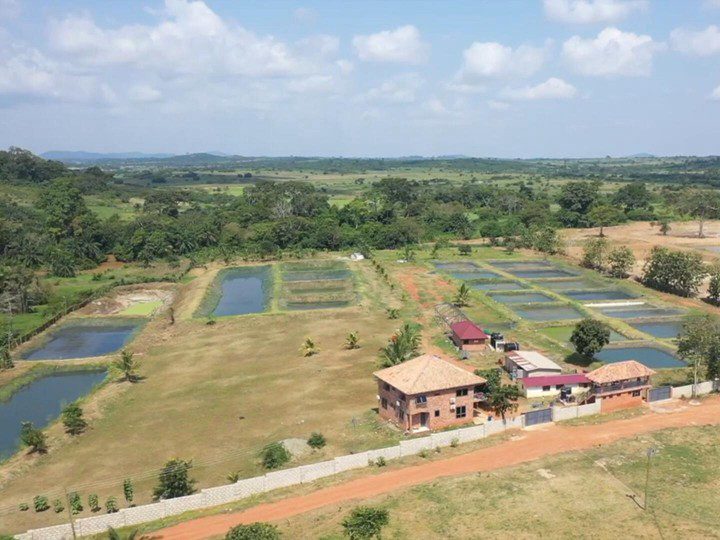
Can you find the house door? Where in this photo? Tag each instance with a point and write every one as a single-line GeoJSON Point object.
{"type": "Point", "coordinates": [424, 419]}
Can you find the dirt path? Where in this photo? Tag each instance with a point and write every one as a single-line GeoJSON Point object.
{"type": "Point", "coordinates": [527, 446]}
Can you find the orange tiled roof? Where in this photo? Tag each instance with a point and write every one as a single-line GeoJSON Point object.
{"type": "Point", "coordinates": [619, 371]}
{"type": "Point", "coordinates": [427, 373]}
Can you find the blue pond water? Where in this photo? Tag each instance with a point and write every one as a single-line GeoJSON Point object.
{"type": "Point", "coordinates": [315, 275]}
{"type": "Point", "coordinates": [550, 313]}
{"type": "Point", "coordinates": [522, 298]}
{"type": "Point", "coordinates": [570, 284]}
{"type": "Point", "coordinates": [650, 356]}
{"type": "Point", "coordinates": [478, 274]}
{"type": "Point", "coordinates": [40, 403]}
{"type": "Point", "coordinates": [639, 312]}
{"type": "Point", "coordinates": [83, 339]}
{"type": "Point", "coordinates": [522, 265]}
{"type": "Point", "coordinates": [244, 290]}
{"type": "Point", "coordinates": [540, 273]}
{"type": "Point", "coordinates": [465, 266]}
{"type": "Point", "coordinates": [662, 330]}
{"type": "Point", "coordinates": [611, 294]}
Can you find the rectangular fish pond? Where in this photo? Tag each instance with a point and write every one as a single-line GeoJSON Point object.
{"type": "Point", "coordinates": [570, 284]}
{"type": "Point", "coordinates": [40, 402]}
{"type": "Point", "coordinates": [478, 274]}
{"type": "Point", "coordinates": [542, 273]}
{"type": "Point", "coordinates": [548, 313]}
{"type": "Point", "coordinates": [316, 285]}
{"type": "Point", "coordinates": [638, 312]}
{"type": "Point", "coordinates": [521, 298]}
{"type": "Point", "coordinates": [331, 304]}
{"type": "Point", "coordinates": [598, 295]}
{"type": "Point", "coordinates": [83, 338]}
{"type": "Point", "coordinates": [239, 291]}
{"type": "Point", "coordinates": [659, 329]}
{"type": "Point", "coordinates": [521, 265]}
{"type": "Point", "coordinates": [496, 285]}
{"type": "Point", "coordinates": [563, 333]}
{"type": "Point", "coordinates": [652, 357]}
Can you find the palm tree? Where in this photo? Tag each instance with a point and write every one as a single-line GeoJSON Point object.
{"type": "Point", "coordinates": [114, 535]}
{"type": "Point", "coordinates": [403, 345]}
{"type": "Point", "coordinates": [462, 298]}
{"type": "Point", "coordinates": [309, 348]}
{"type": "Point", "coordinates": [352, 341]}
{"type": "Point", "coordinates": [127, 365]}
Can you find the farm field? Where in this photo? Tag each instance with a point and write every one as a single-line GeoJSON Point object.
{"type": "Point", "coordinates": [560, 496]}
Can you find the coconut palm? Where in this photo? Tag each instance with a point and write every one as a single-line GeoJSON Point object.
{"type": "Point", "coordinates": [309, 348]}
{"type": "Point", "coordinates": [352, 341]}
{"type": "Point", "coordinates": [127, 365]}
{"type": "Point", "coordinates": [115, 535]}
{"type": "Point", "coordinates": [462, 298]}
{"type": "Point", "coordinates": [403, 345]}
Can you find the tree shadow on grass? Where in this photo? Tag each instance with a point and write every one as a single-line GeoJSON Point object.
{"type": "Point", "coordinates": [578, 360]}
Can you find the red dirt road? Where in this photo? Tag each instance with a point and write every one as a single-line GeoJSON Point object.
{"type": "Point", "coordinates": [528, 446]}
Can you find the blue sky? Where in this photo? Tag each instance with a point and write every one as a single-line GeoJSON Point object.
{"type": "Point", "coordinates": [501, 78]}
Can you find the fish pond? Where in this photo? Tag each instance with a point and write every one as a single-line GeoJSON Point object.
{"type": "Point", "coordinates": [542, 273]}
{"type": "Point", "coordinates": [638, 312]}
{"type": "Point", "coordinates": [607, 294]}
{"type": "Point", "coordinates": [40, 402]}
{"type": "Point", "coordinates": [563, 333]}
{"type": "Point", "coordinates": [570, 284]}
{"type": "Point", "coordinates": [661, 329]}
{"type": "Point", "coordinates": [478, 274]}
{"type": "Point", "coordinates": [316, 285]}
{"type": "Point", "coordinates": [521, 298]}
{"type": "Point", "coordinates": [83, 338]}
{"type": "Point", "coordinates": [497, 285]}
{"type": "Point", "coordinates": [549, 313]}
{"type": "Point", "coordinates": [652, 357]}
{"type": "Point", "coordinates": [522, 265]}
{"type": "Point", "coordinates": [239, 291]}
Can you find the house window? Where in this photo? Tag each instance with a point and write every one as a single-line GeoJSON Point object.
{"type": "Point", "coordinates": [558, 387]}
{"type": "Point", "coordinates": [460, 412]}
{"type": "Point", "coordinates": [421, 400]}
{"type": "Point", "coordinates": [437, 413]}
{"type": "Point", "coordinates": [546, 388]}
{"type": "Point", "coordinates": [386, 387]}
{"type": "Point", "coordinates": [383, 403]}
{"type": "Point", "coordinates": [636, 393]}
{"type": "Point", "coordinates": [462, 392]}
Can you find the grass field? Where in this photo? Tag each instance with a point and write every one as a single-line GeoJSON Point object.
{"type": "Point", "coordinates": [578, 495]}
{"type": "Point", "coordinates": [143, 309]}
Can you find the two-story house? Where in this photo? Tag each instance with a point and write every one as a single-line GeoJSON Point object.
{"type": "Point", "coordinates": [621, 385]}
{"type": "Point", "coordinates": [426, 393]}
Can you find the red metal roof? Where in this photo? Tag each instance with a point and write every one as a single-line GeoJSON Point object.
{"type": "Point", "coordinates": [468, 330]}
{"type": "Point", "coordinates": [552, 380]}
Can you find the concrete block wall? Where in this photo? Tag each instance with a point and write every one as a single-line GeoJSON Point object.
{"type": "Point", "coordinates": [413, 447]}
{"type": "Point", "coordinates": [352, 461]}
{"type": "Point", "coordinates": [143, 513]}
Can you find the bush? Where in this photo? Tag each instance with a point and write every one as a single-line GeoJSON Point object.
{"type": "Point", "coordinates": [455, 442]}
{"type": "Point", "coordinates": [464, 249]}
{"type": "Point", "coordinates": [620, 262]}
{"type": "Point", "coordinates": [72, 418]}
{"type": "Point", "coordinates": [275, 455]}
{"type": "Point", "coordinates": [40, 503]}
{"type": "Point", "coordinates": [111, 505]}
{"type": "Point", "coordinates": [174, 480]}
{"type": "Point", "coordinates": [58, 506]}
{"type": "Point", "coordinates": [93, 503]}
{"type": "Point", "coordinates": [424, 453]}
{"type": "Point", "coordinates": [317, 440]}
{"type": "Point", "coordinates": [365, 522]}
{"type": "Point", "coordinates": [253, 531]}
{"type": "Point", "coordinates": [380, 461]}
{"type": "Point", "coordinates": [589, 337]}
{"type": "Point", "coordinates": [23, 507]}
{"type": "Point", "coordinates": [75, 503]}
{"type": "Point", "coordinates": [677, 272]}
{"type": "Point", "coordinates": [128, 490]}
{"type": "Point", "coordinates": [33, 437]}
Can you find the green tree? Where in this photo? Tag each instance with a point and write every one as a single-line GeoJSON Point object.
{"type": "Point", "coordinates": [309, 348]}
{"type": "Point", "coordinates": [174, 480]}
{"type": "Point", "coordinates": [127, 366]}
{"type": "Point", "coordinates": [594, 253]}
{"type": "Point", "coordinates": [409, 253]}
{"type": "Point", "coordinates": [40, 503]}
{"type": "Point", "coordinates": [93, 502]}
{"type": "Point", "coordinates": [620, 262]}
{"type": "Point", "coordinates": [33, 437]}
{"type": "Point", "coordinates": [365, 522]}
{"type": "Point", "coordinates": [275, 455]}
{"type": "Point", "coordinates": [713, 286]}
{"type": "Point", "coordinates": [699, 344]}
{"type": "Point", "coordinates": [253, 531]}
{"type": "Point", "coordinates": [75, 503]}
{"type": "Point", "coordinates": [678, 272]}
{"type": "Point", "coordinates": [403, 345]}
{"type": "Point", "coordinates": [589, 337]}
{"type": "Point", "coordinates": [6, 361]}
{"type": "Point", "coordinates": [72, 418]}
{"type": "Point", "coordinates": [111, 505]}
{"type": "Point", "coordinates": [702, 204]}
{"type": "Point", "coordinates": [352, 341]}
{"type": "Point", "coordinates": [462, 297]}
{"type": "Point", "coordinates": [128, 490]}
{"type": "Point", "coordinates": [633, 196]}
{"type": "Point", "coordinates": [317, 440]}
{"type": "Point", "coordinates": [503, 399]}
{"type": "Point", "coordinates": [665, 227]}
{"type": "Point", "coordinates": [464, 249]}
{"type": "Point", "coordinates": [604, 215]}
{"type": "Point", "coordinates": [115, 535]}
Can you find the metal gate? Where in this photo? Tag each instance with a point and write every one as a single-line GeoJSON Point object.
{"type": "Point", "coordinates": [660, 393]}
{"type": "Point", "coordinates": [541, 416]}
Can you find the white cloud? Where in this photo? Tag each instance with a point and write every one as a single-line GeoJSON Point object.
{"type": "Point", "coordinates": [312, 84]}
{"type": "Point", "coordinates": [553, 88]}
{"type": "Point", "coordinates": [701, 43]}
{"type": "Point", "coordinates": [591, 11]}
{"type": "Point", "coordinates": [345, 66]}
{"type": "Point", "coordinates": [612, 52]}
{"type": "Point", "coordinates": [711, 4]}
{"type": "Point", "coordinates": [400, 89]}
{"type": "Point", "coordinates": [402, 45]}
{"type": "Point", "coordinates": [494, 60]}
{"type": "Point", "coordinates": [715, 93]}
{"type": "Point", "coordinates": [144, 93]}
{"type": "Point", "coordinates": [497, 105]}
{"type": "Point", "coordinates": [9, 9]}
{"type": "Point", "coordinates": [190, 39]}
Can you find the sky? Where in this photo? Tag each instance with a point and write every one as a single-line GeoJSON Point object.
{"type": "Point", "coordinates": [483, 78]}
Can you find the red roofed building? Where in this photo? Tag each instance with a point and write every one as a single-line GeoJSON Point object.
{"type": "Point", "coordinates": [553, 385]}
{"type": "Point", "coordinates": [621, 385]}
{"type": "Point", "coordinates": [468, 336]}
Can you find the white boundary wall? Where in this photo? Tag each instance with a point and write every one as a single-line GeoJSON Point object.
{"type": "Point", "coordinates": [208, 498]}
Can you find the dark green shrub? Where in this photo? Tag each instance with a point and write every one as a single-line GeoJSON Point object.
{"type": "Point", "coordinates": [275, 455]}
{"type": "Point", "coordinates": [253, 531]}
{"type": "Point", "coordinates": [317, 440]}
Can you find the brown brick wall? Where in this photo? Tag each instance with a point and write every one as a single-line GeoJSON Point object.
{"type": "Point", "coordinates": [617, 402]}
{"type": "Point", "coordinates": [436, 401]}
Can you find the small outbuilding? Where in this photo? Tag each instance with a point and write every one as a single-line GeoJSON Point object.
{"type": "Point", "coordinates": [522, 364]}
{"type": "Point", "coordinates": [468, 336]}
{"type": "Point", "coordinates": [621, 385]}
{"type": "Point", "coordinates": [554, 385]}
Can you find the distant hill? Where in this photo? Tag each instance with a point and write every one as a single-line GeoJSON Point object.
{"type": "Point", "coordinates": [641, 155]}
{"type": "Point", "coordinates": [67, 155]}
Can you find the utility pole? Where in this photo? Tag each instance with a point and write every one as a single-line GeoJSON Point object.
{"type": "Point", "coordinates": [650, 453]}
{"type": "Point", "coordinates": [70, 514]}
